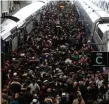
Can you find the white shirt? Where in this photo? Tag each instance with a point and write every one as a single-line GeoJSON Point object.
{"type": "Point", "coordinates": [33, 87]}
{"type": "Point", "coordinates": [100, 83]}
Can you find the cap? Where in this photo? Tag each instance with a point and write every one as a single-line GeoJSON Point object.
{"type": "Point", "coordinates": [15, 74]}
{"type": "Point", "coordinates": [13, 59]}
{"type": "Point", "coordinates": [34, 100]}
{"type": "Point", "coordinates": [45, 81]}
{"type": "Point", "coordinates": [22, 54]}
{"type": "Point", "coordinates": [57, 69]}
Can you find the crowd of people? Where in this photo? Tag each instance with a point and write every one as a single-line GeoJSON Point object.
{"type": "Point", "coordinates": [53, 65]}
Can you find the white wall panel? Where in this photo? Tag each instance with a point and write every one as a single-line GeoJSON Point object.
{"type": "Point", "coordinates": [5, 6]}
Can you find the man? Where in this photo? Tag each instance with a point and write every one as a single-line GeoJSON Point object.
{"type": "Point", "coordinates": [28, 96]}
{"type": "Point", "coordinates": [15, 86]}
{"type": "Point", "coordinates": [34, 86]}
{"type": "Point", "coordinates": [79, 100]}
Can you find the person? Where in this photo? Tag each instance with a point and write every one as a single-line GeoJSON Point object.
{"type": "Point", "coordinates": [15, 99]}
{"type": "Point", "coordinates": [28, 96]}
{"type": "Point", "coordinates": [35, 101]}
{"type": "Point", "coordinates": [48, 100]}
{"type": "Point", "coordinates": [3, 101]}
{"type": "Point", "coordinates": [64, 98]}
{"type": "Point", "coordinates": [33, 86]}
{"type": "Point", "coordinates": [21, 99]}
{"type": "Point", "coordinates": [79, 100]}
{"type": "Point", "coordinates": [15, 86]}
